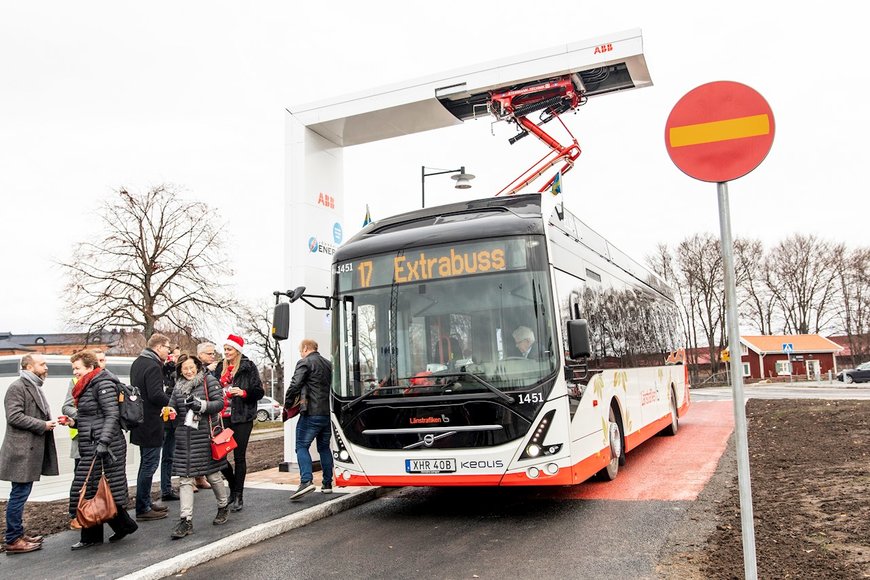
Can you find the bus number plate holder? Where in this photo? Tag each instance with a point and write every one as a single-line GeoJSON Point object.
{"type": "Point", "coordinates": [430, 466]}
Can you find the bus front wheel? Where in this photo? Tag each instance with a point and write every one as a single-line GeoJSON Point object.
{"type": "Point", "coordinates": [616, 455]}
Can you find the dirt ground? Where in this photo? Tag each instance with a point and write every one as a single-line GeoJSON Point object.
{"type": "Point", "coordinates": [51, 517]}
{"type": "Point", "coordinates": [810, 472]}
{"type": "Point", "coordinates": [810, 469]}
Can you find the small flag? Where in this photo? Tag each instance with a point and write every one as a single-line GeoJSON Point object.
{"type": "Point", "coordinates": [368, 219]}
{"type": "Point", "coordinates": [556, 187]}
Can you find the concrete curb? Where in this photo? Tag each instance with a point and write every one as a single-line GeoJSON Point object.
{"type": "Point", "coordinates": [255, 534]}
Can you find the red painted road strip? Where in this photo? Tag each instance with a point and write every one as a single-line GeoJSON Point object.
{"type": "Point", "coordinates": [669, 468]}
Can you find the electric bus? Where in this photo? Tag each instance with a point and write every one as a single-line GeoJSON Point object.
{"type": "Point", "coordinates": [496, 342]}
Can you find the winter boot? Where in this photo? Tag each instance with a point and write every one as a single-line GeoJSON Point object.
{"type": "Point", "coordinates": [239, 504]}
{"type": "Point", "coordinates": [184, 527]}
{"type": "Point", "coordinates": [222, 515]}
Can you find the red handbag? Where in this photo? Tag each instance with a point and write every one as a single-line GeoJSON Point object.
{"type": "Point", "coordinates": [223, 442]}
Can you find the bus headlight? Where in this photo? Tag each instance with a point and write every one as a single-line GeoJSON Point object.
{"type": "Point", "coordinates": [533, 450]}
{"type": "Point", "coordinates": [552, 468]}
{"type": "Point", "coordinates": [344, 455]}
{"type": "Point", "coordinates": [533, 472]}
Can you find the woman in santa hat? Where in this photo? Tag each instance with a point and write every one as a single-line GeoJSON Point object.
{"type": "Point", "coordinates": [241, 382]}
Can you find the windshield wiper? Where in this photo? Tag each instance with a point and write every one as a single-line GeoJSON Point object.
{"type": "Point", "coordinates": [489, 386]}
{"type": "Point", "coordinates": [365, 396]}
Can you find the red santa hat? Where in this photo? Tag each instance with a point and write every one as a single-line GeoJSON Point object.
{"type": "Point", "coordinates": [235, 341]}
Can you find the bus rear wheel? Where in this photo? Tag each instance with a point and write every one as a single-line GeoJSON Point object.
{"type": "Point", "coordinates": [610, 472]}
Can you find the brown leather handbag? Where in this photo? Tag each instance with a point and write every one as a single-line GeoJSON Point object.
{"type": "Point", "coordinates": [100, 508]}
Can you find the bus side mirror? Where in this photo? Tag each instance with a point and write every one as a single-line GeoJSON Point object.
{"type": "Point", "coordinates": [578, 339]}
{"type": "Point", "coordinates": [281, 321]}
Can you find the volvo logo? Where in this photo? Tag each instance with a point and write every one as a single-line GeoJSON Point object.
{"type": "Point", "coordinates": [428, 440]}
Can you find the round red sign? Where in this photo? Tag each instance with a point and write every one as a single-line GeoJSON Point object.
{"type": "Point", "coordinates": [719, 131]}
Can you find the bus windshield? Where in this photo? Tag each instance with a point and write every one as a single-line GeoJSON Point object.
{"type": "Point", "coordinates": [471, 317]}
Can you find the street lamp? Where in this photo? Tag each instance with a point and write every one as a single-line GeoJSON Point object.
{"type": "Point", "coordinates": [463, 180]}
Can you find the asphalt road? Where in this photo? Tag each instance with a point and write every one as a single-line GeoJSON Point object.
{"type": "Point", "coordinates": [465, 533]}
{"type": "Point", "coordinates": [821, 390]}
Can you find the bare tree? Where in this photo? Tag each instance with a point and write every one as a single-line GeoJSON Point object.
{"type": "Point", "coordinates": [758, 303]}
{"type": "Point", "coordinates": [801, 273]}
{"type": "Point", "coordinates": [700, 261]}
{"type": "Point", "coordinates": [157, 261]}
{"type": "Point", "coordinates": [255, 321]}
{"type": "Point", "coordinates": [853, 277]}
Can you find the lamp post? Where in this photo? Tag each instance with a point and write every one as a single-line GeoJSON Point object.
{"type": "Point", "coordinates": [463, 180]}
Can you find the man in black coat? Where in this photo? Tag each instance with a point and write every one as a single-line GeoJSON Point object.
{"type": "Point", "coordinates": [146, 373]}
{"type": "Point", "coordinates": [312, 378]}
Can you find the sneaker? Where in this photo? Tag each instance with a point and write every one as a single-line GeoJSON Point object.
{"type": "Point", "coordinates": [326, 488]}
{"type": "Point", "coordinates": [222, 516]}
{"type": "Point", "coordinates": [151, 515]}
{"type": "Point", "coordinates": [184, 527]}
{"type": "Point", "coordinates": [304, 487]}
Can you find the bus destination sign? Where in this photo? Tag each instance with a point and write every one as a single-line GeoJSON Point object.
{"type": "Point", "coordinates": [432, 263]}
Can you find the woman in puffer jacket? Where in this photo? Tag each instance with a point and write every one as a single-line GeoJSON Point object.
{"type": "Point", "coordinates": [95, 396]}
{"type": "Point", "coordinates": [198, 411]}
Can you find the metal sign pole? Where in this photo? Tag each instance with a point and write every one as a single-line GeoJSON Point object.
{"type": "Point", "coordinates": [746, 521]}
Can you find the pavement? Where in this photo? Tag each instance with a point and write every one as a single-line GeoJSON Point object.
{"type": "Point", "coordinates": [151, 553]}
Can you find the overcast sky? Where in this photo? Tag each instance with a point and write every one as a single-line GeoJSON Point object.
{"type": "Point", "coordinates": [99, 95]}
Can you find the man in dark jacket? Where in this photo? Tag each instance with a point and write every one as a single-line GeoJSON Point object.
{"type": "Point", "coordinates": [169, 376]}
{"type": "Point", "coordinates": [312, 379]}
{"type": "Point", "coordinates": [28, 449]}
{"type": "Point", "coordinates": [146, 373]}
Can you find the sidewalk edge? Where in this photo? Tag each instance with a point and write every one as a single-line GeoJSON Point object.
{"type": "Point", "coordinates": [255, 534]}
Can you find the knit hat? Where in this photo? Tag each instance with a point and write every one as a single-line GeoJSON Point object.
{"type": "Point", "coordinates": [235, 341]}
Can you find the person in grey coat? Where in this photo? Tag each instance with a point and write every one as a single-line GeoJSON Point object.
{"type": "Point", "coordinates": [198, 410]}
{"type": "Point", "coordinates": [28, 450]}
{"type": "Point", "coordinates": [102, 446]}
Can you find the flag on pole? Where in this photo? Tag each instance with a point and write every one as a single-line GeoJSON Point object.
{"type": "Point", "coordinates": [368, 219]}
{"type": "Point", "coordinates": [556, 187]}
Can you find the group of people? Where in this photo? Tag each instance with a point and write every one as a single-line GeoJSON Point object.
{"type": "Point", "coordinates": [185, 397]}
{"type": "Point", "coordinates": [206, 394]}
{"type": "Point", "coordinates": [203, 395]}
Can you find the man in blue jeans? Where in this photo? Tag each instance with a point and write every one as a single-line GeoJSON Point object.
{"type": "Point", "coordinates": [28, 449]}
{"type": "Point", "coordinates": [146, 373]}
{"type": "Point", "coordinates": [312, 379]}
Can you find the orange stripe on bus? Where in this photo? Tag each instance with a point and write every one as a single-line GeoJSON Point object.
{"type": "Point", "coordinates": [716, 131]}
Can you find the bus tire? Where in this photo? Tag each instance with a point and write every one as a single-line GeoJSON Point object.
{"type": "Point", "coordinates": [617, 448]}
{"type": "Point", "coordinates": [674, 427]}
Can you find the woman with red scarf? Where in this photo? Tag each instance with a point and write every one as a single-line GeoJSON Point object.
{"type": "Point", "coordinates": [101, 443]}
{"type": "Point", "coordinates": [242, 387]}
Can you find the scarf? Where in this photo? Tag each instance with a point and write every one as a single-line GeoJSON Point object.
{"type": "Point", "coordinates": [83, 382]}
{"type": "Point", "coordinates": [31, 377]}
{"type": "Point", "coordinates": [147, 352]}
{"type": "Point", "coordinates": [227, 376]}
{"type": "Point", "coordinates": [37, 382]}
{"type": "Point", "coordinates": [184, 387]}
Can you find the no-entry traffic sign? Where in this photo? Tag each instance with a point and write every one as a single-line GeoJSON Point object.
{"type": "Point", "coordinates": [719, 131]}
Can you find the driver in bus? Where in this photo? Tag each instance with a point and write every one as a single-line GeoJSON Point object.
{"type": "Point", "coordinates": [524, 338]}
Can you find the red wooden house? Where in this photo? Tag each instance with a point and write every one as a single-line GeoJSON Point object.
{"type": "Point", "coordinates": [798, 355]}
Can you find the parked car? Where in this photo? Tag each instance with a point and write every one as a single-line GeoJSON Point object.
{"type": "Point", "coordinates": [860, 374]}
{"type": "Point", "coordinates": [268, 409]}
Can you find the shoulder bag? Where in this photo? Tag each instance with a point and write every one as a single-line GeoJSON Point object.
{"type": "Point", "coordinates": [222, 442]}
{"type": "Point", "coordinates": [100, 508]}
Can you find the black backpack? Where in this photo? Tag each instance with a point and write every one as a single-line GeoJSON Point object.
{"type": "Point", "coordinates": [131, 406]}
